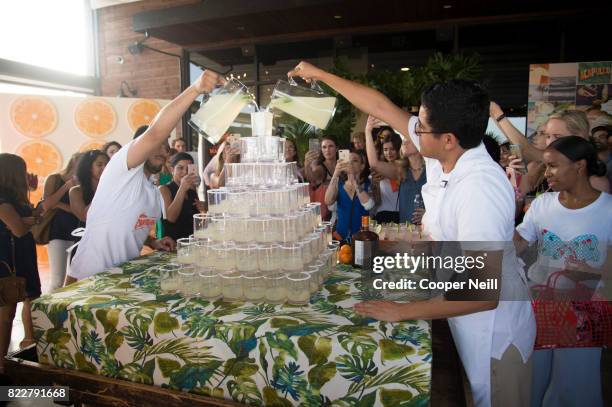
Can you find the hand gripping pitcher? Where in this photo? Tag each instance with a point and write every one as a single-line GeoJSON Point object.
{"type": "Point", "coordinates": [220, 109]}
{"type": "Point", "coordinates": [311, 106]}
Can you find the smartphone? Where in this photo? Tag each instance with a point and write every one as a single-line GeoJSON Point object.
{"type": "Point", "coordinates": [313, 144]}
{"type": "Point", "coordinates": [344, 155]}
{"type": "Point", "coordinates": [192, 169]}
{"type": "Point", "coordinates": [515, 150]}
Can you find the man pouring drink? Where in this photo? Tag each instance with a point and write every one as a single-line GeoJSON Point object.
{"type": "Point", "coordinates": [126, 203]}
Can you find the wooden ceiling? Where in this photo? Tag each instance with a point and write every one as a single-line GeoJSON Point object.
{"type": "Point", "coordinates": [218, 24]}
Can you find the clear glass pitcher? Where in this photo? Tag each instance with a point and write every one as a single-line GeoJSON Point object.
{"type": "Point", "coordinates": [220, 109]}
{"type": "Point", "coordinates": [312, 106]}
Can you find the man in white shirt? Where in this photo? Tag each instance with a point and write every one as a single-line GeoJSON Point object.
{"type": "Point", "coordinates": [467, 199]}
{"type": "Point", "coordinates": [126, 204]}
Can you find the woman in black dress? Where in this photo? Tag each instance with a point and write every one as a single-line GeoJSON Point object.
{"type": "Point", "coordinates": [180, 198]}
{"type": "Point", "coordinates": [56, 197]}
{"type": "Point", "coordinates": [17, 247]}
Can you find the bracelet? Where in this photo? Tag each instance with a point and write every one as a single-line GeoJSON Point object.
{"type": "Point", "coordinates": [500, 118]}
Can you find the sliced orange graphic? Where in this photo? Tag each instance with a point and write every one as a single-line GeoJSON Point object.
{"type": "Point", "coordinates": [95, 117]}
{"type": "Point", "coordinates": [36, 195]}
{"type": "Point", "coordinates": [42, 256]}
{"type": "Point", "coordinates": [142, 112]}
{"type": "Point", "coordinates": [33, 116]}
{"type": "Point", "coordinates": [42, 157]}
{"type": "Point", "coordinates": [91, 145]}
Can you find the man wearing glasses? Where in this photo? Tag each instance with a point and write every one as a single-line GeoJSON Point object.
{"type": "Point", "coordinates": [467, 199]}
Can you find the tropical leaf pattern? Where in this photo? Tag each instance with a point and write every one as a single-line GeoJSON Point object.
{"type": "Point", "coordinates": [119, 324]}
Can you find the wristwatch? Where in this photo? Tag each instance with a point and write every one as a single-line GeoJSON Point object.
{"type": "Point", "coordinates": [500, 118]}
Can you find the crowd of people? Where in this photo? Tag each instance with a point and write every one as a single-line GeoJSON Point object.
{"type": "Point", "coordinates": [473, 188]}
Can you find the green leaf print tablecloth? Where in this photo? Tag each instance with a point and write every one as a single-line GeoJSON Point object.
{"type": "Point", "coordinates": [118, 324]}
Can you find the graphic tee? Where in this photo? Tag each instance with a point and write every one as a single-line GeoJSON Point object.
{"type": "Point", "coordinates": [561, 233]}
{"type": "Point", "coordinates": [125, 207]}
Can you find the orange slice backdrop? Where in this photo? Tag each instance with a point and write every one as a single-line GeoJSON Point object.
{"type": "Point", "coordinates": [95, 117]}
{"type": "Point", "coordinates": [142, 112]}
{"type": "Point", "coordinates": [91, 145]}
{"type": "Point", "coordinates": [41, 157]}
{"type": "Point", "coordinates": [33, 116]}
{"type": "Point", "coordinates": [42, 256]}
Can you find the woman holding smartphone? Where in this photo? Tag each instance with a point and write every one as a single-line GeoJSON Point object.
{"type": "Point", "coordinates": [180, 198]}
{"type": "Point", "coordinates": [326, 155]}
{"type": "Point", "coordinates": [349, 188]}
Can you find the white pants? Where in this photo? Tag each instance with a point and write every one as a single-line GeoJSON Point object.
{"type": "Point", "coordinates": [58, 261]}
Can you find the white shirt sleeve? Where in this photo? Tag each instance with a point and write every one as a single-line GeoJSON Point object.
{"type": "Point", "coordinates": [113, 185]}
{"type": "Point", "coordinates": [412, 122]}
{"type": "Point", "coordinates": [529, 228]}
{"type": "Point", "coordinates": [210, 169]}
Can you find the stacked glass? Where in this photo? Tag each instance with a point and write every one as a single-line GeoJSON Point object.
{"type": "Point", "coordinates": [262, 240]}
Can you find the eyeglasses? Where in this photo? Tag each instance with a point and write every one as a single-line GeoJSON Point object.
{"type": "Point", "coordinates": [418, 131]}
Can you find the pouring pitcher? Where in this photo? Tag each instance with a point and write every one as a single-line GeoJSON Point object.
{"type": "Point", "coordinates": [312, 106]}
{"type": "Point", "coordinates": [218, 112]}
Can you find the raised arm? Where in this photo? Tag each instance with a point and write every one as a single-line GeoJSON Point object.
{"type": "Point", "coordinates": [174, 206]}
{"type": "Point", "coordinates": [363, 98]}
{"type": "Point", "coordinates": [387, 170]}
{"type": "Point", "coordinates": [331, 195]}
{"type": "Point", "coordinates": [168, 117]}
{"type": "Point", "coordinates": [52, 194]}
{"type": "Point", "coordinates": [530, 153]}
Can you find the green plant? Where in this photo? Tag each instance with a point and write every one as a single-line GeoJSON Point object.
{"type": "Point", "coordinates": [402, 88]}
{"type": "Point", "coordinates": [405, 88]}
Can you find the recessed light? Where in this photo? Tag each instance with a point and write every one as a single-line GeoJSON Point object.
{"type": "Point", "coordinates": [447, 6]}
{"type": "Point", "coordinates": [404, 69]}
{"type": "Point", "coordinates": [337, 17]}
{"type": "Point", "coordinates": [372, 65]}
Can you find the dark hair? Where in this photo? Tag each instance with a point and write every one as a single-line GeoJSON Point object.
{"type": "Point", "coordinates": [460, 107]}
{"type": "Point", "coordinates": [378, 131]}
{"type": "Point", "coordinates": [296, 157]}
{"type": "Point", "coordinates": [575, 149]}
{"type": "Point", "coordinates": [493, 147]}
{"type": "Point", "coordinates": [180, 157]}
{"type": "Point", "coordinates": [330, 138]}
{"type": "Point", "coordinates": [606, 128]}
{"type": "Point", "coordinates": [394, 139]}
{"type": "Point", "coordinates": [364, 158]}
{"type": "Point", "coordinates": [177, 139]}
{"type": "Point", "coordinates": [109, 144]}
{"type": "Point", "coordinates": [13, 182]}
{"type": "Point", "coordinates": [139, 131]}
{"type": "Point", "coordinates": [83, 173]}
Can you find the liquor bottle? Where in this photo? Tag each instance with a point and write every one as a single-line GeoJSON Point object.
{"type": "Point", "coordinates": [418, 203]}
{"type": "Point", "coordinates": [365, 243]}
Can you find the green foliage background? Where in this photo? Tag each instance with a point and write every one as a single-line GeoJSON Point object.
{"type": "Point", "coordinates": [402, 88]}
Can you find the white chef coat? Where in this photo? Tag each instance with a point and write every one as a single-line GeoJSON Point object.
{"type": "Point", "coordinates": [475, 202]}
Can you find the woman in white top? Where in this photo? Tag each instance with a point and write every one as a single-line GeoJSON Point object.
{"type": "Point", "coordinates": [573, 227]}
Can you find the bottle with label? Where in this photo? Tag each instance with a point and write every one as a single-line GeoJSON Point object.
{"type": "Point", "coordinates": [365, 243]}
{"type": "Point", "coordinates": [418, 203]}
